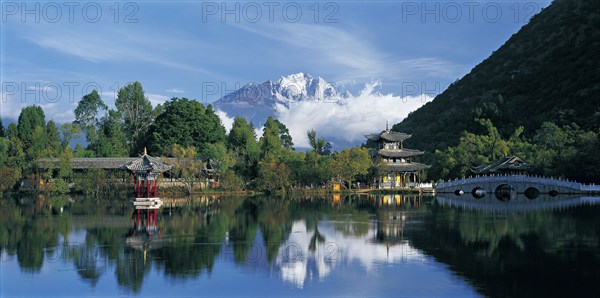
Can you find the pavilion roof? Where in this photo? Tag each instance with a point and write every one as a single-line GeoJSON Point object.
{"type": "Point", "coordinates": [84, 163]}
{"type": "Point", "coordinates": [387, 135]}
{"type": "Point", "coordinates": [393, 153]}
{"type": "Point", "coordinates": [508, 163]}
{"type": "Point", "coordinates": [146, 163]}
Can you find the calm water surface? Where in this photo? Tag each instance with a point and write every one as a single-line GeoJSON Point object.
{"type": "Point", "coordinates": [393, 245]}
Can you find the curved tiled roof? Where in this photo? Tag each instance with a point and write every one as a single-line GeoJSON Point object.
{"type": "Point", "coordinates": [400, 152]}
{"type": "Point", "coordinates": [509, 163]}
{"type": "Point", "coordinates": [390, 136]}
{"type": "Point", "coordinates": [107, 163]}
{"type": "Point", "coordinates": [147, 163]}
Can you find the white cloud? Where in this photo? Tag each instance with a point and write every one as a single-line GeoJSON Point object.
{"type": "Point", "coordinates": [228, 123]}
{"type": "Point", "coordinates": [109, 98]}
{"type": "Point", "coordinates": [333, 45]}
{"type": "Point", "coordinates": [351, 54]}
{"type": "Point", "coordinates": [225, 120]}
{"type": "Point", "coordinates": [156, 99]}
{"type": "Point", "coordinates": [352, 119]}
{"type": "Point", "coordinates": [175, 90]}
{"type": "Point", "coordinates": [348, 120]}
{"type": "Point", "coordinates": [298, 264]}
{"type": "Point", "coordinates": [11, 106]}
{"type": "Point", "coordinates": [112, 43]}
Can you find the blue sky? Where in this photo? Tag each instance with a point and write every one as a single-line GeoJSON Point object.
{"type": "Point", "coordinates": [53, 52]}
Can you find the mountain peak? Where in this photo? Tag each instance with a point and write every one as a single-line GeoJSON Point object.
{"type": "Point", "coordinates": [257, 101]}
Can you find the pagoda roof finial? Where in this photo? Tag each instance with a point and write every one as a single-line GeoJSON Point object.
{"type": "Point", "coordinates": [386, 126]}
{"type": "Point", "coordinates": [145, 152]}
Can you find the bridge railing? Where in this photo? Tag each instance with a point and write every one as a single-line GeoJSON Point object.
{"type": "Point", "coordinates": [518, 178]}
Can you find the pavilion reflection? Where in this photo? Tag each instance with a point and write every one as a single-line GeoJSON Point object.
{"type": "Point", "coordinates": [363, 229]}
{"type": "Point", "coordinates": [145, 234]}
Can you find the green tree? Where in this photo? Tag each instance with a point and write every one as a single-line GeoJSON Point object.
{"type": "Point", "coordinates": [187, 165]}
{"type": "Point", "coordinates": [136, 112]}
{"type": "Point", "coordinates": [241, 141]}
{"type": "Point", "coordinates": [16, 155]}
{"type": "Point", "coordinates": [270, 143]}
{"type": "Point", "coordinates": [12, 131]}
{"type": "Point", "coordinates": [2, 132]}
{"type": "Point", "coordinates": [218, 153]}
{"type": "Point", "coordinates": [111, 141]}
{"type": "Point", "coordinates": [553, 137]}
{"type": "Point", "coordinates": [31, 130]}
{"type": "Point", "coordinates": [8, 174]}
{"type": "Point", "coordinates": [317, 162]}
{"type": "Point", "coordinates": [350, 163]}
{"type": "Point", "coordinates": [186, 123]}
{"type": "Point", "coordinates": [284, 136]}
{"type": "Point", "coordinates": [53, 147]}
{"type": "Point", "coordinates": [273, 175]}
{"type": "Point", "coordinates": [86, 114]}
{"type": "Point", "coordinates": [318, 144]}
{"type": "Point", "coordinates": [37, 149]}
{"type": "Point", "coordinates": [4, 146]}
{"type": "Point", "coordinates": [476, 149]}
{"type": "Point", "coordinates": [65, 170]}
{"type": "Point", "coordinates": [69, 131]}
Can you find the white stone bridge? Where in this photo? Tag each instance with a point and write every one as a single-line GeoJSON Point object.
{"type": "Point", "coordinates": [512, 184]}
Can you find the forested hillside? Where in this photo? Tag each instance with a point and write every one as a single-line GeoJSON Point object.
{"type": "Point", "coordinates": [548, 71]}
{"type": "Point", "coordinates": [537, 96]}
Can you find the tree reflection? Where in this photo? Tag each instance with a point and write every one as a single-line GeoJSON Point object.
{"type": "Point", "coordinates": [535, 252]}
{"type": "Point", "coordinates": [243, 230]}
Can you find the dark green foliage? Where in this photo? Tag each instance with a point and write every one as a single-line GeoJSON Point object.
{"type": "Point", "coordinates": [187, 123]}
{"type": "Point", "coordinates": [111, 140]}
{"type": "Point", "coordinates": [69, 132]}
{"type": "Point", "coordinates": [2, 132]}
{"type": "Point", "coordinates": [31, 130]}
{"type": "Point", "coordinates": [545, 78]}
{"type": "Point", "coordinates": [137, 115]}
{"type": "Point", "coordinates": [549, 70]}
{"type": "Point", "coordinates": [12, 131]}
{"type": "Point", "coordinates": [241, 142]}
{"type": "Point", "coordinates": [53, 147]}
{"type": "Point", "coordinates": [86, 114]}
{"type": "Point", "coordinates": [284, 136]}
{"type": "Point", "coordinates": [238, 160]}
{"type": "Point", "coordinates": [275, 139]}
{"type": "Point", "coordinates": [566, 151]}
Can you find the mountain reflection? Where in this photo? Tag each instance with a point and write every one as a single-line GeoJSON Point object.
{"type": "Point", "coordinates": [306, 240]}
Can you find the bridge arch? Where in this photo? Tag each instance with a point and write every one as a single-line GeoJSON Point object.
{"type": "Point", "coordinates": [532, 193]}
{"type": "Point", "coordinates": [505, 192]}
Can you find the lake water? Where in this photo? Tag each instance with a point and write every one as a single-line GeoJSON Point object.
{"type": "Point", "coordinates": [393, 245]}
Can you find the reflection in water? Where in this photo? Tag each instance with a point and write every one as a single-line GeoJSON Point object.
{"type": "Point", "coordinates": [298, 262]}
{"type": "Point", "coordinates": [145, 230]}
{"type": "Point", "coordinates": [517, 202]}
{"type": "Point", "coordinates": [310, 243]}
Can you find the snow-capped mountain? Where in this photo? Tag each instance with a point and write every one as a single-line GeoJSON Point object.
{"type": "Point", "coordinates": [256, 102]}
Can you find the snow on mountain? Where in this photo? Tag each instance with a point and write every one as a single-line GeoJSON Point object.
{"type": "Point", "coordinates": [257, 102]}
{"type": "Point", "coordinates": [303, 102]}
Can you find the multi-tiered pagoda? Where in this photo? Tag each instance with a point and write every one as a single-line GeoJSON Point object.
{"type": "Point", "coordinates": [399, 169]}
